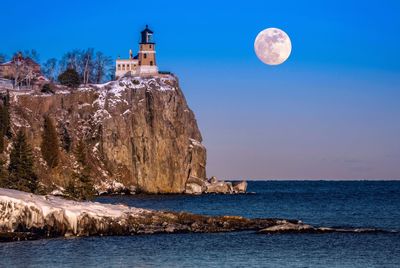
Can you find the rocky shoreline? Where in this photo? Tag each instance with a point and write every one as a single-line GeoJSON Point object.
{"type": "Point", "coordinates": [194, 186]}
{"type": "Point", "coordinates": [25, 216]}
{"type": "Point", "coordinates": [197, 186]}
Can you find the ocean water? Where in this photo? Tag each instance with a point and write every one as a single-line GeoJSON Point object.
{"type": "Point", "coordinates": [322, 203]}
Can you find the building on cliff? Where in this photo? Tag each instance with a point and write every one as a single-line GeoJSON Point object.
{"type": "Point", "coordinates": [144, 63]}
{"type": "Point", "coordinates": [18, 63]}
{"type": "Point", "coordinates": [22, 71]}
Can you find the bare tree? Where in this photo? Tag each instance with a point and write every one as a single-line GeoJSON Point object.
{"type": "Point", "coordinates": [71, 60]}
{"type": "Point", "coordinates": [101, 65]}
{"type": "Point", "coordinates": [19, 71]}
{"type": "Point", "coordinates": [92, 67]}
{"type": "Point", "coordinates": [87, 63]}
{"type": "Point", "coordinates": [22, 71]}
{"type": "Point", "coordinates": [50, 69]}
{"type": "Point", "coordinates": [33, 54]}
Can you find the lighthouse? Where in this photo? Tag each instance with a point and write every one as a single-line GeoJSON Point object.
{"type": "Point", "coordinates": [144, 63]}
{"type": "Point", "coordinates": [147, 53]}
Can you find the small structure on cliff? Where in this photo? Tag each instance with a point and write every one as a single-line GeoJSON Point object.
{"type": "Point", "coordinates": [23, 71]}
{"type": "Point", "coordinates": [144, 63]}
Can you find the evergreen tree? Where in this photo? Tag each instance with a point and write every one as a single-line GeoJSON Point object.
{"type": "Point", "coordinates": [5, 118]}
{"type": "Point", "coordinates": [21, 174]}
{"type": "Point", "coordinates": [71, 189]}
{"type": "Point", "coordinates": [5, 129]}
{"type": "Point", "coordinates": [49, 146]}
{"type": "Point", "coordinates": [3, 175]}
{"type": "Point", "coordinates": [70, 78]}
{"type": "Point", "coordinates": [66, 140]}
{"type": "Point", "coordinates": [47, 88]}
{"type": "Point", "coordinates": [80, 153]}
{"type": "Point", "coordinates": [1, 141]}
{"type": "Point", "coordinates": [81, 185]}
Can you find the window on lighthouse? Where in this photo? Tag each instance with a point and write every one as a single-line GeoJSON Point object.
{"type": "Point", "coordinates": [145, 55]}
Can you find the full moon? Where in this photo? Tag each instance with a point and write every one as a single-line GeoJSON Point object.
{"type": "Point", "coordinates": [272, 46]}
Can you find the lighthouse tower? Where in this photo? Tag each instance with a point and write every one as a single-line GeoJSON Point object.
{"type": "Point", "coordinates": [147, 54]}
{"type": "Point", "coordinates": [142, 64]}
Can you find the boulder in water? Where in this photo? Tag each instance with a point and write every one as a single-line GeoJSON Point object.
{"type": "Point", "coordinates": [240, 187]}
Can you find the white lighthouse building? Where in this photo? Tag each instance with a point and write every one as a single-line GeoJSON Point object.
{"type": "Point", "coordinates": [144, 63]}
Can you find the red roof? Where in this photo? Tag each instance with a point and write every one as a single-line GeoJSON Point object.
{"type": "Point", "coordinates": [28, 60]}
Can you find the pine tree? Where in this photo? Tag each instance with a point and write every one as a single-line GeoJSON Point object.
{"type": "Point", "coordinates": [81, 185]}
{"type": "Point", "coordinates": [66, 140]}
{"type": "Point", "coordinates": [1, 141]}
{"type": "Point", "coordinates": [5, 118]}
{"type": "Point", "coordinates": [21, 173]}
{"type": "Point", "coordinates": [84, 187]}
{"type": "Point", "coordinates": [80, 153]}
{"type": "Point", "coordinates": [49, 146]}
{"type": "Point", "coordinates": [47, 89]}
{"type": "Point", "coordinates": [70, 78]}
{"type": "Point", "coordinates": [5, 129]}
{"type": "Point", "coordinates": [3, 175]}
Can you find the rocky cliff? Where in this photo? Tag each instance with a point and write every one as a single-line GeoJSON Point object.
{"type": "Point", "coordinates": [139, 133]}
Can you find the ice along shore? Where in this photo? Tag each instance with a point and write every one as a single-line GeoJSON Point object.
{"type": "Point", "coordinates": [25, 216]}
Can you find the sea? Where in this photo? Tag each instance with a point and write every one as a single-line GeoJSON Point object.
{"type": "Point", "coordinates": [350, 204]}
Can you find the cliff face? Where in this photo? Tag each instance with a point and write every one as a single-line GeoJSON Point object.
{"type": "Point", "coordinates": [138, 132]}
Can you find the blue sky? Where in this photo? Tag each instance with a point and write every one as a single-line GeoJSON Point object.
{"type": "Point", "coordinates": [332, 111]}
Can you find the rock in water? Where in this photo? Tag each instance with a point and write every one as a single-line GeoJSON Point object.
{"type": "Point", "coordinates": [138, 132]}
{"type": "Point", "coordinates": [293, 226]}
{"type": "Point", "coordinates": [195, 186]}
{"type": "Point", "coordinates": [220, 187]}
{"type": "Point", "coordinates": [285, 226]}
{"type": "Point", "coordinates": [240, 187]}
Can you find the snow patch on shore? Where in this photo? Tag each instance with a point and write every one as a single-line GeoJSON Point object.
{"type": "Point", "coordinates": [35, 211]}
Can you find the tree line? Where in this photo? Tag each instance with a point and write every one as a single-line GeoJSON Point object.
{"type": "Point", "coordinates": [20, 174]}
{"type": "Point", "coordinates": [81, 66]}
{"type": "Point", "coordinates": [90, 65]}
